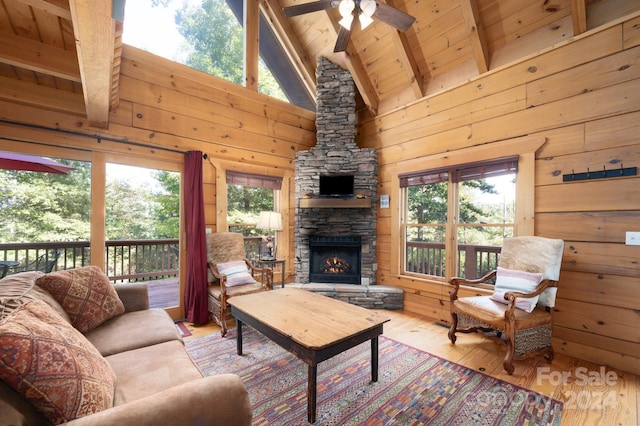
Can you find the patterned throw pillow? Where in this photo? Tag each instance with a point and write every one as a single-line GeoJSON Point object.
{"type": "Point", "coordinates": [520, 281]}
{"type": "Point", "coordinates": [52, 365]}
{"type": "Point", "coordinates": [85, 294]}
{"type": "Point", "coordinates": [237, 273]}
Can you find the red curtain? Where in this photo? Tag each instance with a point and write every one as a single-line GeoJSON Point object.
{"type": "Point", "coordinates": [193, 198]}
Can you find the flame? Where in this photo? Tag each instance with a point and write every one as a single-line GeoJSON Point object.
{"type": "Point", "coordinates": [335, 265]}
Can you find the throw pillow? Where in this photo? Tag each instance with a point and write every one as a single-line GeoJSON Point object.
{"type": "Point", "coordinates": [20, 288]}
{"type": "Point", "coordinates": [53, 365]}
{"type": "Point", "coordinates": [85, 294]}
{"type": "Point", "coordinates": [520, 281]}
{"type": "Point", "coordinates": [237, 273]}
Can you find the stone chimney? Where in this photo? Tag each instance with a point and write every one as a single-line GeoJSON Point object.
{"type": "Point", "coordinates": [336, 153]}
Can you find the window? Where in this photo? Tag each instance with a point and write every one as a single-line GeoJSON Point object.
{"type": "Point", "coordinates": [456, 217]}
{"type": "Point", "coordinates": [207, 35]}
{"type": "Point", "coordinates": [248, 195]}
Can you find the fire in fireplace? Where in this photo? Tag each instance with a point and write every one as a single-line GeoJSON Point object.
{"type": "Point", "coordinates": [335, 259]}
{"type": "Point", "coordinates": [335, 265]}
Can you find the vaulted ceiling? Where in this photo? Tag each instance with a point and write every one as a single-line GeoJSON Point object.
{"type": "Point", "coordinates": [64, 55]}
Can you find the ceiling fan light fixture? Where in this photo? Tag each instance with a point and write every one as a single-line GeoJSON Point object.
{"type": "Point", "coordinates": [346, 8]}
{"type": "Point", "coordinates": [346, 22]}
{"type": "Point", "coordinates": [365, 21]}
{"type": "Point", "coordinates": [368, 7]}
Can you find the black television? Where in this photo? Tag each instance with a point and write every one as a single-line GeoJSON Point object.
{"type": "Point", "coordinates": [336, 185]}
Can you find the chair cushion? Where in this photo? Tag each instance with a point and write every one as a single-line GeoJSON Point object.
{"type": "Point", "coordinates": [490, 312]}
{"type": "Point", "coordinates": [52, 365]}
{"type": "Point", "coordinates": [237, 273]}
{"type": "Point", "coordinates": [520, 281]}
{"type": "Point", "coordinates": [215, 291]}
{"type": "Point", "coordinates": [85, 294]}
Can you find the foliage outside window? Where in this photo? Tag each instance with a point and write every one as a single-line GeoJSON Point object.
{"type": "Point", "coordinates": [456, 218]}
{"type": "Point", "coordinates": [214, 43]}
{"type": "Point", "coordinates": [247, 196]}
{"type": "Point", "coordinates": [45, 207]}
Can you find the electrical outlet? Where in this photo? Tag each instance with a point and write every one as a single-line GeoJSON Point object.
{"type": "Point", "coordinates": [633, 238]}
{"type": "Point", "coordinates": [364, 281]}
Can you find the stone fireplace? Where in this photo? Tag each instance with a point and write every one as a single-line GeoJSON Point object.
{"type": "Point", "coordinates": [330, 222]}
{"type": "Point", "coordinates": [334, 259]}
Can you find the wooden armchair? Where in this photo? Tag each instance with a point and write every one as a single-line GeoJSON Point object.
{"type": "Point", "coordinates": [520, 308]}
{"type": "Point", "coordinates": [230, 274]}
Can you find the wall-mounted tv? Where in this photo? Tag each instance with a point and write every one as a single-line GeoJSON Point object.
{"type": "Point", "coordinates": [336, 186]}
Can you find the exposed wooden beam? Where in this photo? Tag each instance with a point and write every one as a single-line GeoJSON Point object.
{"type": "Point", "coordinates": [35, 56]}
{"type": "Point", "coordinates": [407, 60]}
{"type": "Point", "coordinates": [284, 32]}
{"type": "Point", "coordinates": [94, 30]}
{"type": "Point", "coordinates": [476, 34]}
{"type": "Point", "coordinates": [13, 90]}
{"type": "Point", "coordinates": [55, 7]}
{"type": "Point", "coordinates": [251, 43]}
{"type": "Point", "coordinates": [409, 64]}
{"type": "Point", "coordinates": [579, 16]}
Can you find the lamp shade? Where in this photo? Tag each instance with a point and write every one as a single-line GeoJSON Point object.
{"type": "Point", "coordinates": [270, 220]}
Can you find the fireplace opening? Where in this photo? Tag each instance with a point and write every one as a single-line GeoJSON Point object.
{"type": "Point", "coordinates": [334, 259]}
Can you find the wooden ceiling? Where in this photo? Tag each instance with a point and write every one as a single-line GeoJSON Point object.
{"type": "Point", "coordinates": [64, 55]}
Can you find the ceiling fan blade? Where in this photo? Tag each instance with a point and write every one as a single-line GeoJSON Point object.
{"type": "Point", "coordinates": [314, 6]}
{"type": "Point", "coordinates": [394, 17]}
{"type": "Point", "coordinates": [342, 41]}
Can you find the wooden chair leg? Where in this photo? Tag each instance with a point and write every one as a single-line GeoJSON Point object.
{"type": "Point", "coordinates": [508, 356]}
{"type": "Point", "coordinates": [223, 318]}
{"type": "Point", "coordinates": [454, 326]}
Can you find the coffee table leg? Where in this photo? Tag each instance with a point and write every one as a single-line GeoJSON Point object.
{"type": "Point", "coordinates": [374, 359]}
{"type": "Point", "coordinates": [239, 337]}
{"type": "Point", "coordinates": [311, 393]}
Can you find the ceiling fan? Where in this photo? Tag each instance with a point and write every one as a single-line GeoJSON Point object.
{"type": "Point", "coordinates": [361, 10]}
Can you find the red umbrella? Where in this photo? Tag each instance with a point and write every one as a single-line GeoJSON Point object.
{"type": "Point", "coordinates": [32, 163]}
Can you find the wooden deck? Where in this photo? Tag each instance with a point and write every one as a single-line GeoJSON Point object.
{"type": "Point", "coordinates": [163, 293]}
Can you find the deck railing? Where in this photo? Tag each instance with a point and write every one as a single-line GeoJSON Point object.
{"type": "Point", "coordinates": [474, 261]}
{"type": "Point", "coordinates": [125, 260]}
{"type": "Point", "coordinates": [137, 260]}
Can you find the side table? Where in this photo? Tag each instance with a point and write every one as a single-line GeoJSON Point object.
{"type": "Point", "coordinates": [271, 264]}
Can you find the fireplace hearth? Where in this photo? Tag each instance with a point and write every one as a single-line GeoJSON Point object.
{"type": "Point", "coordinates": [335, 259]}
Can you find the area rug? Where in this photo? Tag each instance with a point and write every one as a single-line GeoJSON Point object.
{"type": "Point", "coordinates": [413, 387]}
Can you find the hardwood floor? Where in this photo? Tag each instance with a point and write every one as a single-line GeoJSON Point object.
{"type": "Point", "coordinates": [592, 395]}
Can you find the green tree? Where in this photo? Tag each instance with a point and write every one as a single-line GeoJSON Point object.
{"type": "Point", "coordinates": [41, 207]}
{"type": "Point", "coordinates": [244, 204]}
{"type": "Point", "coordinates": [167, 212]}
{"type": "Point", "coordinates": [216, 39]}
{"type": "Point", "coordinates": [129, 212]}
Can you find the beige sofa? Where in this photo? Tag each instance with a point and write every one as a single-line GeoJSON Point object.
{"type": "Point", "coordinates": [156, 382]}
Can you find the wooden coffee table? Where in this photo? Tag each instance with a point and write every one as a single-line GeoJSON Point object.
{"type": "Point", "coordinates": [312, 327]}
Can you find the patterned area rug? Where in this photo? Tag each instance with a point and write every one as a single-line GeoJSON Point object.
{"type": "Point", "coordinates": [413, 388]}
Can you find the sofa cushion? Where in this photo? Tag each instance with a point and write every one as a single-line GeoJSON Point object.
{"type": "Point", "coordinates": [85, 294]}
{"type": "Point", "coordinates": [237, 273]}
{"type": "Point", "coordinates": [149, 370]}
{"type": "Point", "coordinates": [20, 288]}
{"type": "Point", "coordinates": [52, 365]}
{"type": "Point", "coordinates": [133, 330]}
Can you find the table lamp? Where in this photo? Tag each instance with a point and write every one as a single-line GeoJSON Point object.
{"type": "Point", "coordinates": [272, 221]}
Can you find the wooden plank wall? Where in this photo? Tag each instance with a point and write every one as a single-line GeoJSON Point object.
{"type": "Point", "coordinates": [583, 96]}
{"type": "Point", "coordinates": [166, 104]}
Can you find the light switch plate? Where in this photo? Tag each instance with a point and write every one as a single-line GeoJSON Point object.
{"type": "Point", "coordinates": [633, 238]}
